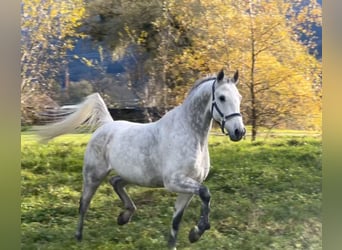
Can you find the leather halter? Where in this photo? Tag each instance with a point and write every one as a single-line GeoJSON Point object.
{"type": "Point", "coordinates": [224, 117]}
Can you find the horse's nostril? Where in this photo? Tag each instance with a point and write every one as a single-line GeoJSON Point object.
{"type": "Point", "coordinates": [237, 133]}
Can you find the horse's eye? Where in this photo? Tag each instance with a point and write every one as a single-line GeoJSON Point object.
{"type": "Point", "coordinates": [222, 98]}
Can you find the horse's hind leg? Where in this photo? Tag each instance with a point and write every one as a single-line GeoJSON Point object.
{"type": "Point", "coordinates": [91, 181]}
{"type": "Point", "coordinates": [181, 203]}
{"type": "Point", "coordinates": [119, 187]}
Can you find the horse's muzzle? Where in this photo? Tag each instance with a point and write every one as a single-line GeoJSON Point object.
{"type": "Point", "coordinates": [238, 134]}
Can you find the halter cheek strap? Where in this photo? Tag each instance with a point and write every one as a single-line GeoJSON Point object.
{"type": "Point", "coordinates": [224, 118]}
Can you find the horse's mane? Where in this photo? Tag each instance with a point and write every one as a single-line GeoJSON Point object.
{"type": "Point", "coordinates": [200, 81]}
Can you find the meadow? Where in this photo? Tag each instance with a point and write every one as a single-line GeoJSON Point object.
{"type": "Point", "coordinates": [265, 195]}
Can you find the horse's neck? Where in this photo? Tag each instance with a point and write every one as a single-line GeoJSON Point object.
{"type": "Point", "coordinates": [196, 110]}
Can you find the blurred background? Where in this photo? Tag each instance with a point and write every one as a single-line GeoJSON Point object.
{"type": "Point", "coordinates": [143, 56]}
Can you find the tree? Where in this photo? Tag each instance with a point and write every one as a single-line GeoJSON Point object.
{"type": "Point", "coordinates": [49, 29]}
{"type": "Point", "coordinates": [280, 79]}
{"type": "Point", "coordinates": [143, 32]}
{"type": "Point", "coordinates": [77, 91]}
{"type": "Point", "coordinates": [109, 21]}
{"type": "Point", "coordinates": [282, 72]}
{"type": "Point", "coordinates": [178, 41]}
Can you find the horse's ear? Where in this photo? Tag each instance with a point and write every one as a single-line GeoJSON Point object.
{"type": "Point", "coordinates": [220, 75]}
{"type": "Point", "coordinates": [236, 77]}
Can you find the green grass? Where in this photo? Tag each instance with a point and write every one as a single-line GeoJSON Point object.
{"type": "Point", "coordinates": [265, 195]}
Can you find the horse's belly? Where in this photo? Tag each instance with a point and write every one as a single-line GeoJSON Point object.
{"type": "Point", "coordinates": [136, 168]}
{"type": "Point", "coordinates": [137, 165]}
{"type": "Point", "coordinates": [131, 153]}
{"type": "Point", "coordinates": [145, 181]}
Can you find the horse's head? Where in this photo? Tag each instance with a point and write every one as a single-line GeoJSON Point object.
{"type": "Point", "coordinates": [226, 106]}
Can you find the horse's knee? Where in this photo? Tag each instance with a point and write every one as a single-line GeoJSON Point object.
{"type": "Point", "coordinates": [180, 183]}
{"type": "Point", "coordinates": [204, 194]}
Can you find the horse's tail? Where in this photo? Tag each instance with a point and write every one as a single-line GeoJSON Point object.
{"type": "Point", "coordinates": [92, 112]}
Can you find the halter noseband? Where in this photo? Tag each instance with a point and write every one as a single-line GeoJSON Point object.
{"type": "Point", "coordinates": [224, 117]}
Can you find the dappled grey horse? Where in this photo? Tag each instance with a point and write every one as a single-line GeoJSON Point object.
{"type": "Point", "coordinates": [171, 152]}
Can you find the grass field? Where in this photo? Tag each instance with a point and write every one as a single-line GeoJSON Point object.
{"type": "Point", "coordinates": [265, 195]}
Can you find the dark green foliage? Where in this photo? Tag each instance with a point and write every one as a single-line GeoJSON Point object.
{"type": "Point", "coordinates": [265, 195]}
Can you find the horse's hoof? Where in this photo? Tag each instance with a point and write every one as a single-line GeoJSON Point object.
{"type": "Point", "coordinates": [172, 243]}
{"type": "Point", "coordinates": [78, 237]}
{"type": "Point", "coordinates": [124, 217]}
{"type": "Point", "coordinates": [194, 234]}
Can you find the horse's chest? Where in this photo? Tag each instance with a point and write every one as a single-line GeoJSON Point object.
{"type": "Point", "coordinates": [203, 166]}
{"type": "Point", "coordinates": [198, 165]}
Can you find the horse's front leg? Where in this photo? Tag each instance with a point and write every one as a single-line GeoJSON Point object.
{"type": "Point", "coordinates": [186, 185]}
{"type": "Point", "coordinates": [203, 223]}
{"type": "Point", "coordinates": [181, 203]}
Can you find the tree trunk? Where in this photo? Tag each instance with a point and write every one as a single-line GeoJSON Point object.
{"type": "Point", "coordinates": [252, 84]}
{"type": "Point", "coordinates": [254, 127]}
{"type": "Point", "coordinates": [253, 110]}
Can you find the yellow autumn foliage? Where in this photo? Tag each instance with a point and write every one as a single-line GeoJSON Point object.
{"type": "Point", "coordinates": [280, 80]}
